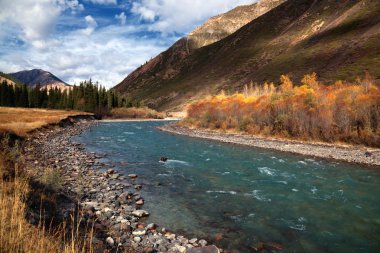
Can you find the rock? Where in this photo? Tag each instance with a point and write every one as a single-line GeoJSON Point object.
{"type": "Point", "coordinates": [193, 240]}
{"type": "Point", "coordinates": [180, 248]}
{"type": "Point", "coordinates": [115, 176]}
{"type": "Point", "coordinates": [151, 226]}
{"type": "Point", "coordinates": [110, 241]}
{"type": "Point", "coordinates": [140, 213]}
{"type": "Point", "coordinates": [110, 171]}
{"type": "Point", "coordinates": [137, 239]}
{"type": "Point", "coordinates": [163, 159]}
{"type": "Point", "coordinates": [140, 202]}
{"type": "Point", "coordinates": [183, 241]}
{"type": "Point", "coordinates": [202, 242]}
{"type": "Point", "coordinates": [138, 187]}
{"type": "Point", "coordinates": [368, 154]}
{"type": "Point", "coordinates": [125, 227]}
{"type": "Point", "coordinates": [206, 249]}
{"type": "Point", "coordinates": [139, 232]}
{"type": "Point", "coordinates": [133, 176]}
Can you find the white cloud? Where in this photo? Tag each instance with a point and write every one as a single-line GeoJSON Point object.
{"type": "Point", "coordinates": [103, 1]}
{"type": "Point", "coordinates": [36, 18]}
{"type": "Point", "coordinates": [107, 55]}
{"type": "Point", "coordinates": [122, 18]}
{"type": "Point", "coordinates": [144, 12]}
{"type": "Point", "coordinates": [170, 16]}
{"type": "Point", "coordinates": [91, 25]}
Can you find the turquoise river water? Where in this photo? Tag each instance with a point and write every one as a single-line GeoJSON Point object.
{"type": "Point", "coordinates": [237, 196]}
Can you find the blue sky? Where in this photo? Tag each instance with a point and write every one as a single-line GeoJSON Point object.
{"type": "Point", "coordinates": [100, 39]}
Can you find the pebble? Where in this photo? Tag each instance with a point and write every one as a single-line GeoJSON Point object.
{"type": "Point", "coordinates": [140, 213]}
{"type": "Point", "coordinates": [110, 241]}
{"type": "Point", "coordinates": [139, 232]}
{"type": "Point", "coordinates": [132, 176]}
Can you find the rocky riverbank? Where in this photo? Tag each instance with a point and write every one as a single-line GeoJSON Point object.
{"type": "Point", "coordinates": [347, 153]}
{"type": "Point", "coordinates": [112, 201]}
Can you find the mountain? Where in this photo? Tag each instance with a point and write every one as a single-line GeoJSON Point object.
{"type": "Point", "coordinates": [38, 76]}
{"type": "Point", "coordinates": [335, 39]}
{"type": "Point", "coordinates": [164, 65]}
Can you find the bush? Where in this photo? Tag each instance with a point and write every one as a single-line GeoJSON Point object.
{"type": "Point", "coordinates": [136, 113]}
{"type": "Point", "coordinates": [311, 110]}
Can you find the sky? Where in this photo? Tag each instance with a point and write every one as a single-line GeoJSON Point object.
{"type": "Point", "coordinates": [100, 39]}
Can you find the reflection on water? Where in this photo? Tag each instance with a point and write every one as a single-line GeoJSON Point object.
{"type": "Point", "coordinates": [240, 196]}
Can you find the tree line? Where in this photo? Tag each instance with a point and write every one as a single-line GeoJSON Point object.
{"type": "Point", "coordinates": [87, 96]}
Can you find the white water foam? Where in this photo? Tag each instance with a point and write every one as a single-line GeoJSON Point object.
{"type": "Point", "coordinates": [299, 227]}
{"type": "Point", "coordinates": [129, 133]}
{"type": "Point", "coordinates": [168, 162]}
{"type": "Point", "coordinates": [223, 192]}
{"type": "Point", "coordinates": [266, 170]}
{"type": "Point", "coordinates": [256, 194]}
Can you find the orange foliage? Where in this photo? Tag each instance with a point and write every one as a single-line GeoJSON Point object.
{"type": "Point", "coordinates": [340, 112]}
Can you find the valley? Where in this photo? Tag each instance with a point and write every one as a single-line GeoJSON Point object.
{"type": "Point", "coordinates": [252, 126]}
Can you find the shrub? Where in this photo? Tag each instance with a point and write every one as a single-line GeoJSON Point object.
{"type": "Point", "coordinates": [341, 112]}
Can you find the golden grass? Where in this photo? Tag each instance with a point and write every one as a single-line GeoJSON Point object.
{"type": "Point", "coordinates": [136, 113]}
{"type": "Point", "coordinates": [17, 235]}
{"type": "Point", "coordinates": [21, 121]}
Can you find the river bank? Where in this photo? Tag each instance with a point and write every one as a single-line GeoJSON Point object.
{"type": "Point", "coordinates": [112, 200]}
{"type": "Point", "coordinates": [347, 153]}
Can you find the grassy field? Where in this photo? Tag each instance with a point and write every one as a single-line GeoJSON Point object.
{"type": "Point", "coordinates": [23, 120]}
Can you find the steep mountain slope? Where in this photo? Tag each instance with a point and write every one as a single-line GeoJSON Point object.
{"type": "Point", "coordinates": [336, 39]}
{"type": "Point", "coordinates": [164, 66]}
{"type": "Point", "coordinates": [38, 76]}
{"type": "Point", "coordinates": [219, 27]}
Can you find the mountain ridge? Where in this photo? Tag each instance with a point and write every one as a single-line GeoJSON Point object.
{"type": "Point", "coordinates": [336, 39]}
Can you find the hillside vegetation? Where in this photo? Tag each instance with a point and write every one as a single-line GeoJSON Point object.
{"type": "Point", "coordinates": [309, 111]}
{"type": "Point", "coordinates": [337, 39]}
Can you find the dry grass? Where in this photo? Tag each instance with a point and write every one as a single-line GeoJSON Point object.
{"type": "Point", "coordinates": [136, 113]}
{"type": "Point", "coordinates": [17, 235]}
{"type": "Point", "coordinates": [23, 120]}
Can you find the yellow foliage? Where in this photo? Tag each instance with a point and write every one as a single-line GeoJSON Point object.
{"type": "Point", "coordinates": [312, 110]}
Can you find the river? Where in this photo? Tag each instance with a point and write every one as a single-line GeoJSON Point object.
{"type": "Point", "coordinates": [238, 197]}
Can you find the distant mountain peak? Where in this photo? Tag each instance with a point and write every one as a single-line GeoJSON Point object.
{"type": "Point", "coordinates": [41, 77]}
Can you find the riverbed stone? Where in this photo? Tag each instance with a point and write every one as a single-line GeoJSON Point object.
{"type": "Point", "coordinates": [139, 232]}
{"type": "Point", "coordinates": [132, 176]}
{"type": "Point", "coordinates": [110, 241]}
{"type": "Point", "coordinates": [140, 213]}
